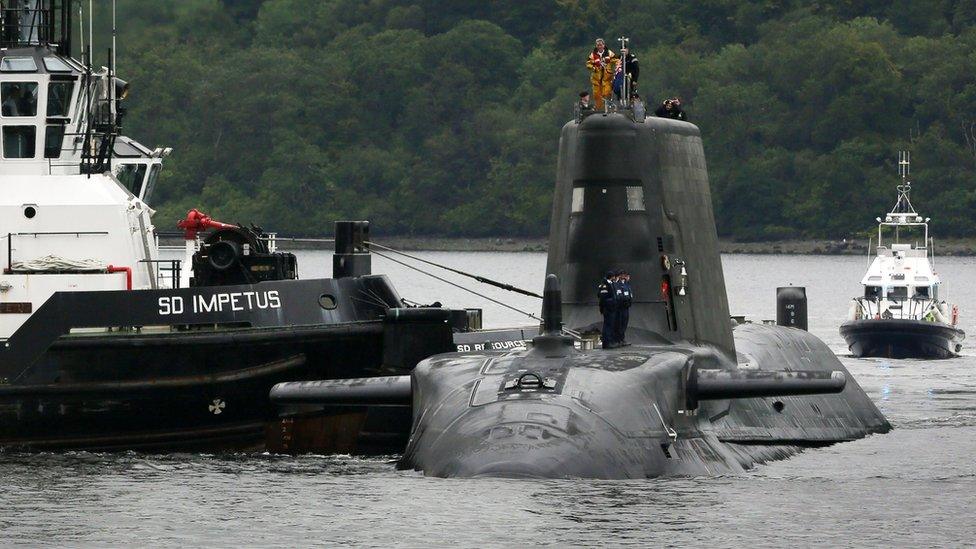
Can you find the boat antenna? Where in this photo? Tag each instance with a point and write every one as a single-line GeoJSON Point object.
{"type": "Point", "coordinates": [904, 204]}
{"type": "Point", "coordinates": [904, 165]}
{"type": "Point", "coordinates": [115, 68]}
{"type": "Point", "coordinates": [625, 91]}
{"type": "Point", "coordinates": [91, 32]}
{"type": "Point", "coordinates": [81, 30]}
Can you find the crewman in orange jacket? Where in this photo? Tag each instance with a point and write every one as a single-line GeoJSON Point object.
{"type": "Point", "coordinates": [601, 63]}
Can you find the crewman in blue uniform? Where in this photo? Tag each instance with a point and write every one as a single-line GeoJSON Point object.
{"type": "Point", "coordinates": [606, 294]}
{"type": "Point", "coordinates": [625, 296]}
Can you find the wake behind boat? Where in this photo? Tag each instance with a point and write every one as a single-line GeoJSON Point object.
{"type": "Point", "coordinates": [901, 314]}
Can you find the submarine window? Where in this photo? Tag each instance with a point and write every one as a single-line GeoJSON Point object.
{"type": "Point", "coordinates": [635, 199]}
{"type": "Point", "coordinates": [327, 301]}
{"type": "Point", "coordinates": [18, 141]}
{"type": "Point", "coordinates": [578, 199]}
{"type": "Point", "coordinates": [779, 406]}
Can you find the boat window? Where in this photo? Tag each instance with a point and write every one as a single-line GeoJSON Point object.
{"type": "Point", "coordinates": [18, 99]}
{"type": "Point", "coordinates": [635, 199]}
{"type": "Point", "coordinates": [151, 183]}
{"type": "Point", "coordinates": [921, 292]}
{"type": "Point", "coordinates": [131, 176]}
{"type": "Point", "coordinates": [18, 64]}
{"type": "Point", "coordinates": [578, 199]}
{"type": "Point", "coordinates": [54, 64]}
{"type": "Point", "coordinates": [18, 141]}
{"type": "Point", "coordinates": [59, 98]}
{"type": "Point", "coordinates": [53, 137]}
{"type": "Point", "coordinates": [898, 292]}
{"type": "Point", "coordinates": [872, 292]}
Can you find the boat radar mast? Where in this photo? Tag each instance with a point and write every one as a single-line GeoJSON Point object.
{"type": "Point", "coordinates": [903, 214]}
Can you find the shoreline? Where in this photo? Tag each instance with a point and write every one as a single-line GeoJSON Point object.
{"type": "Point", "coordinates": [949, 247]}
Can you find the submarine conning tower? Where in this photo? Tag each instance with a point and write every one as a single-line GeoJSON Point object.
{"type": "Point", "coordinates": [634, 195]}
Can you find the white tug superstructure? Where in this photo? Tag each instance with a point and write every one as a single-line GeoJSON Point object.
{"type": "Point", "coordinates": [901, 313]}
{"type": "Point", "coordinates": [73, 206]}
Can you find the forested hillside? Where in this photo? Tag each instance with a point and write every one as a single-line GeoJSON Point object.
{"type": "Point", "coordinates": [441, 117]}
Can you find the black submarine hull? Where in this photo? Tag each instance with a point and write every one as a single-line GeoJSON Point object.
{"type": "Point", "coordinates": [622, 414]}
{"type": "Point", "coordinates": [201, 382]}
{"type": "Point", "coordinates": [902, 338]}
{"type": "Point", "coordinates": [690, 396]}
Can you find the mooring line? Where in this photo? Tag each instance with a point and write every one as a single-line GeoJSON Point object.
{"type": "Point", "coordinates": [481, 279]}
{"type": "Point", "coordinates": [495, 301]}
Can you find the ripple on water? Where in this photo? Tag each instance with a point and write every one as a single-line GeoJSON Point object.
{"type": "Point", "coordinates": [912, 486]}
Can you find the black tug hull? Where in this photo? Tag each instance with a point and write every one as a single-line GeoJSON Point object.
{"type": "Point", "coordinates": [898, 338]}
{"type": "Point", "coordinates": [202, 385]}
{"type": "Point", "coordinates": [177, 392]}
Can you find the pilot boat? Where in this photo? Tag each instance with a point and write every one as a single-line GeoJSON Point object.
{"type": "Point", "coordinates": [902, 314]}
{"type": "Point", "coordinates": [106, 345]}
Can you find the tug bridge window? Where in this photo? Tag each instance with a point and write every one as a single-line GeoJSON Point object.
{"type": "Point", "coordinates": [18, 99]}
{"type": "Point", "coordinates": [18, 141]}
{"type": "Point", "coordinates": [151, 184]}
{"type": "Point", "coordinates": [872, 292]}
{"type": "Point", "coordinates": [131, 177]}
{"type": "Point", "coordinates": [18, 64]}
{"type": "Point", "coordinates": [58, 98]}
{"type": "Point", "coordinates": [53, 138]}
{"type": "Point", "coordinates": [921, 292]}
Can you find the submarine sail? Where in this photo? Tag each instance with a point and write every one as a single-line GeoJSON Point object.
{"type": "Point", "coordinates": [635, 196]}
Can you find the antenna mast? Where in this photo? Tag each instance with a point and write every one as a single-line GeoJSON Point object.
{"type": "Point", "coordinates": [625, 88]}
{"type": "Point", "coordinates": [904, 165]}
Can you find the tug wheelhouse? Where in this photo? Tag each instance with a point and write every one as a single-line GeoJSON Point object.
{"type": "Point", "coordinates": [67, 221]}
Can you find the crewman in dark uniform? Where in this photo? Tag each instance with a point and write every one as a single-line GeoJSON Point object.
{"type": "Point", "coordinates": [625, 296]}
{"type": "Point", "coordinates": [606, 294]}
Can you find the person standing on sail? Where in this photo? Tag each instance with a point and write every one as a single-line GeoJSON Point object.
{"type": "Point", "coordinates": [601, 64]}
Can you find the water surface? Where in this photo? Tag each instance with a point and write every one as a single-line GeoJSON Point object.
{"type": "Point", "coordinates": [915, 486]}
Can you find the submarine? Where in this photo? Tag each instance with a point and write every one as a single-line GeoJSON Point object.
{"type": "Point", "coordinates": [694, 394]}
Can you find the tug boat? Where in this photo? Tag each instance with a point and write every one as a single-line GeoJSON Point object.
{"type": "Point", "coordinates": [104, 345]}
{"type": "Point", "coordinates": [901, 314]}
